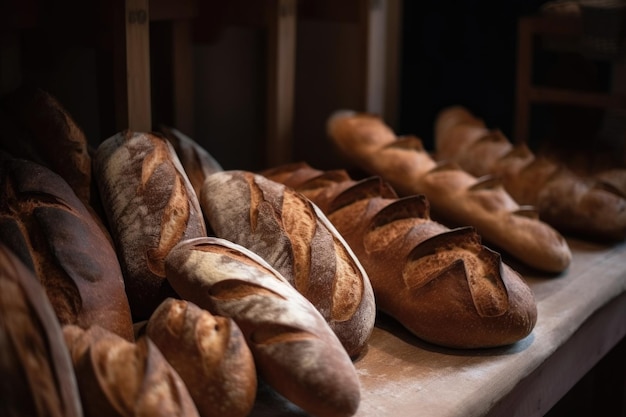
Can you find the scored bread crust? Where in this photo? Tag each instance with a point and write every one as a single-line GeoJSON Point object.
{"type": "Point", "coordinates": [210, 354]}
{"type": "Point", "coordinates": [45, 224]}
{"type": "Point", "coordinates": [457, 198]}
{"type": "Point", "coordinates": [442, 284]}
{"type": "Point", "coordinates": [572, 203]}
{"type": "Point", "coordinates": [38, 377]}
{"type": "Point", "coordinates": [118, 378]}
{"type": "Point", "coordinates": [150, 206]}
{"type": "Point", "coordinates": [295, 350]}
{"type": "Point", "coordinates": [296, 238]}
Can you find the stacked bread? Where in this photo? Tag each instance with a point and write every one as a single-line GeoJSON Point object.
{"type": "Point", "coordinates": [457, 198]}
{"type": "Point", "coordinates": [140, 346]}
{"type": "Point", "coordinates": [440, 283]}
{"type": "Point", "coordinates": [572, 203]}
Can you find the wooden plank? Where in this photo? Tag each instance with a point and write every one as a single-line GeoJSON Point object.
{"type": "Point", "coordinates": [137, 26]}
{"type": "Point", "coordinates": [173, 10]}
{"type": "Point", "coordinates": [281, 78]}
{"type": "Point", "coordinates": [575, 98]}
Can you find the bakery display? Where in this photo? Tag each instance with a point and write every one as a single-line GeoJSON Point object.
{"type": "Point", "coordinates": [150, 206]}
{"type": "Point", "coordinates": [296, 238]}
{"type": "Point", "coordinates": [126, 379]}
{"type": "Point", "coordinates": [36, 369]}
{"type": "Point", "coordinates": [209, 353]}
{"type": "Point", "coordinates": [574, 204]}
{"type": "Point", "coordinates": [442, 284]}
{"type": "Point", "coordinates": [44, 223]}
{"type": "Point", "coordinates": [456, 197]}
{"type": "Point", "coordinates": [295, 350]}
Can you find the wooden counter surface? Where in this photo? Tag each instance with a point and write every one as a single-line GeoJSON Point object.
{"type": "Point", "coordinates": [581, 316]}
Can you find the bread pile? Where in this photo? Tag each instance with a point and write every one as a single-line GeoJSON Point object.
{"type": "Point", "coordinates": [580, 205]}
{"type": "Point", "coordinates": [442, 284]}
{"type": "Point", "coordinates": [457, 198]}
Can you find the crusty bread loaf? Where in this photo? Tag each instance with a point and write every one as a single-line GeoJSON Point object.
{"type": "Point", "coordinates": [295, 237]}
{"type": "Point", "coordinates": [295, 350]}
{"type": "Point", "coordinates": [457, 198]}
{"type": "Point", "coordinates": [196, 161]}
{"type": "Point", "coordinates": [209, 353]}
{"type": "Point", "coordinates": [118, 378]}
{"type": "Point", "coordinates": [47, 134]}
{"type": "Point", "coordinates": [441, 284]}
{"type": "Point", "coordinates": [572, 203]}
{"type": "Point", "coordinates": [37, 374]}
{"type": "Point", "coordinates": [50, 230]}
{"type": "Point", "coordinates": [150, 206]}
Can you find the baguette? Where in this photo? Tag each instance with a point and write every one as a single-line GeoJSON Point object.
{"type": "Point", "coordinates": [209, 353]}
{"type": "Point", "coordinates": [457, 198]}
{"type": "Point", "coordinates": [44, 223]}
{"type": "Point", "coordinates": [295, 237]}
{"type": "Point", "coordinates": [196, 161]}
{"type": "Point", "coordinates": [150, 206]}
{"type": "Point", "coordinates": [439, 283]}
{"type": "Point", "coordinates": [573, 204]}
{"type": "Point", "coordinates": [295, 350]}
{"type": "Point", "coordinates": [118, 378]}
{"type": "Point", "coordinates": [37, 374]}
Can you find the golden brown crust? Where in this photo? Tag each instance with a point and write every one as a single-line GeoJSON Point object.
{"type": "Point", "coordinates": [441, 284]}
{"type": "Point", "coordinates": [52, 232]}
{"type": "Point", "coordinates": [209, 353]}
{"type": "Point", "coordinates": [295, 350]}
{"type": "Point", "coordinates": [457, 197]}
{"type": "Point", "coordinates": [126, 379]}
{"type": "Point", "coordinates": [571, 203]}
{"type": "Point", "coordinates": [294, 236]}
{"type": "Point", "coordinates": [150, 206]}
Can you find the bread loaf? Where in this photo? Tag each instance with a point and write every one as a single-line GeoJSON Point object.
{"type": "Point", "coordinates": [196, 161]}
{"type": "Point", "coordinates": [40, 129]}
{"type": "Point", "coordinates": [37, 374]}
{"type": "Point", "coordinates": [209, 353]}
{"type": "Point", "coordinates": [571, 203]}
{"type": "Point", "coordinates": [150, 206]}
{"type": "Point", "coordinates": [457, 198]}
{"type": "Point", "coordinates": [295, 350]}
{"type": "Point", "coordinates": [295, 237]}
{"type": "Point", "coordinates": [121, 378]}
{"type": "Point", "coordinates": [443, 285]}
{"type": "Point", "coordinates": [50, 230]}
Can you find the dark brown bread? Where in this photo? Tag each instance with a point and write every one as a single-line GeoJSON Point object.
{"type": "Point", "coordinates": [209, 353]}
{"type": "Point", "coordinates": [572, 203]}
{"type": "Point", "coordinates": [443, 285]}
{"type": "Point", "coordinates": [50, 230]}
{"type": "Point", "coordinates": [37, 374]}
{"type": "Point", "coordinates": [296, 238]}
{"type": "Point", "coordinates": [47, 134]}
{"type": "Point", "coordinates": [150, 206]}
{"type": "Point", "coordinates": [457, 198]}
{"type": "Point", "coordinates": [295, 350]}
{"type": "Point", "coordinates": [118, 378]}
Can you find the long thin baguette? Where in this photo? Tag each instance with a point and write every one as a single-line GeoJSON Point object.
{"type": "Point", "coordinates": [572, 203]}
{"type": "Point", "coordinates": [457, 198]}
{"type": "Point", "coordinates": [295, 350]}
{"type": "Point", "coordinates": [296, 238]}
{"type": "Point", "coordinates": [441, 284]}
